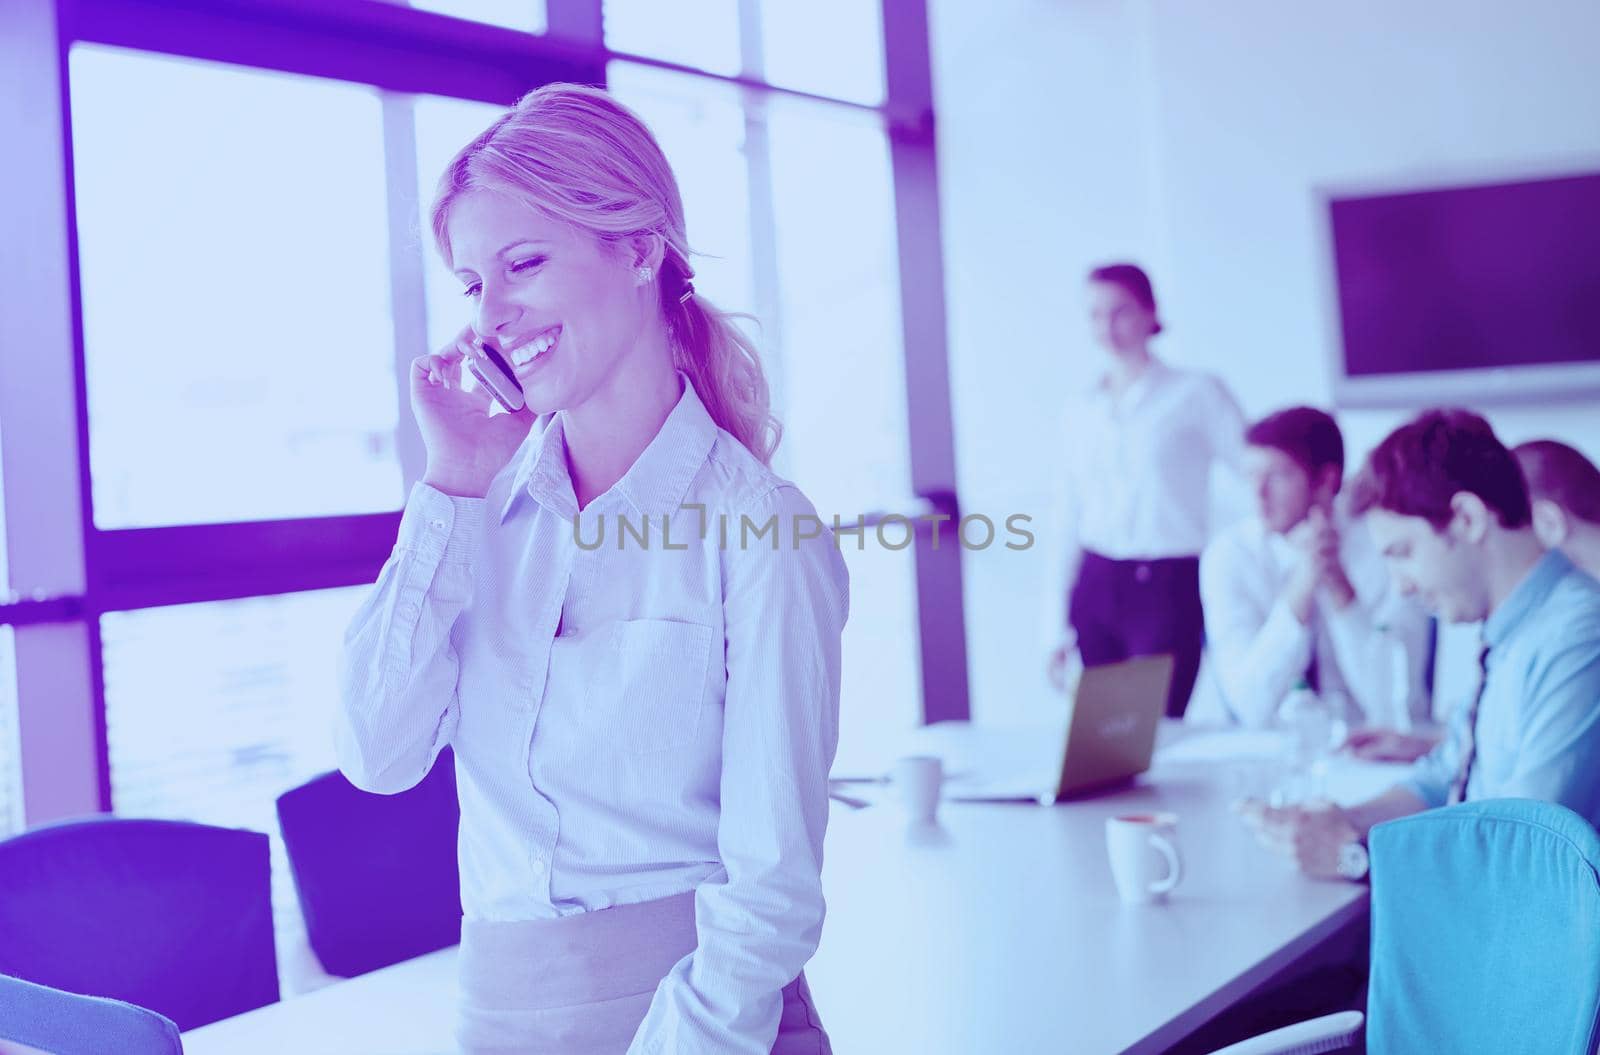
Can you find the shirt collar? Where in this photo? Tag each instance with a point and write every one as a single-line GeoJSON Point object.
{"type": "Point", "coordinates": [657, 481]}
{"type": "Point", "coordinates": [1527, 598]}
{"type": "Point", "coordinates": [1153, 375]}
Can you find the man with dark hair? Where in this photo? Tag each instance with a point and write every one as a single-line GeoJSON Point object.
{"type": "Point", "coordinates": [1564, 488]}
{"type": "Point", "coordinates": [1448, 508]}
{"type": "Point", "coordinates": [1297, 592]}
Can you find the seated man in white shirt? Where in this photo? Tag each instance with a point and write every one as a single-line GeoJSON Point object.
{"type": "Point", "coordinates": [1299, 593]}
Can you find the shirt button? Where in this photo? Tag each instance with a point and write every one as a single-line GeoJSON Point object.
{"type": "Point", "coordinates": [538, 868]}
{"type": "Point", "coordinates": [438, 524]}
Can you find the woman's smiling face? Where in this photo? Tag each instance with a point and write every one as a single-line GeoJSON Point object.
{"type": "Point", "coordinates": [564, 308]}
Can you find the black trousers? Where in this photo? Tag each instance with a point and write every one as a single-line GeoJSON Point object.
{"type": "Point", "coordinates": [1126, 608]}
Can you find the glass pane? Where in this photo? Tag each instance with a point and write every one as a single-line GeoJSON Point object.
{"type": "Point", "coordinates": [699, 33]}
{"type": "Point", "coordinates": [10, 748]}
{"type": "Point", "coordinates": [880, 691]}
{"type": "Point", "coordinates": [843, 384]}
{"type": "Point", "coordinates": [213, 710]}
{"type": "Point", "coordinates": [236, 299]}
{"type": "Point", "coordinates": [826, 47]}
{"type": "Point", "coordinates": [701, 129]}
{"type": "Point", "coordinates": [443, 126]}
{"type": "Point", "coordinates": [527, 15]}
{"type": "Point", "coordinates": [844, 406]}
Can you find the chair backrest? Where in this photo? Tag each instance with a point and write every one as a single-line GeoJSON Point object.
{"type": "Point", "coordinates": [1485, 932]}
{"type": "Point", "coordinates": [172, 916]}
{"type": "Point", "coordinates": [38, 1018]}
{"type": "Point", "coordinates": [376, 874]}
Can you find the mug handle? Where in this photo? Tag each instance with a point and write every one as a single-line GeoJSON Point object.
{"type": "Point", "coordinates": [1174, 864]}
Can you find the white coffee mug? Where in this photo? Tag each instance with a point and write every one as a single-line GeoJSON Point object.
{"type": "Point", "coordinates": [917, 780]}
{"type": "Point", "coordinates": [1144, 855]}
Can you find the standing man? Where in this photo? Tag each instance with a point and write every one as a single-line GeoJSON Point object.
{"type": "Point", "coordinates": [1449, 511]}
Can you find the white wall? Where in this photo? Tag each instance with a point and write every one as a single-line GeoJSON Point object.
{"type": "Point", "coordinates": [1192, 137]}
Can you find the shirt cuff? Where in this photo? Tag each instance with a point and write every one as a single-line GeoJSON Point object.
{"type": "Point", "coordinates": [447, 527]}
{"type": "Point", "coordinates": [1287, 634]}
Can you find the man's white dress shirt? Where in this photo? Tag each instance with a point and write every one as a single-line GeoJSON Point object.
{"type": "Point", "coordinates": [1260, 649]}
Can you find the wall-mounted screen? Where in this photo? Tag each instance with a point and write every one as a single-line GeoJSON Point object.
{"type": "Point", "coordinates": [1477, 294]}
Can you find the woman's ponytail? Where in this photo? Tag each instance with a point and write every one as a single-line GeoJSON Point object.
{"type": "Point", "coordinates": [720, 360]}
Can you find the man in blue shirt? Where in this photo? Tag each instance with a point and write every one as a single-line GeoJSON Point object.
{"type": "Point", "coordinates": [1448, 508]}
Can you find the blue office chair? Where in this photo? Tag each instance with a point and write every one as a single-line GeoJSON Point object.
{"type": "Point", "coordinates": [376, 874]}
{"type": "Point", "coordinates": [68, 1024]}
{"type": "Point", "coordinates": [172, 916]}
{"type": "Point", "coordinates": [1485, 938]}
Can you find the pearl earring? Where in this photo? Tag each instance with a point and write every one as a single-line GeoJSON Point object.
{"type": "Point", "coordinates": [646, 273]}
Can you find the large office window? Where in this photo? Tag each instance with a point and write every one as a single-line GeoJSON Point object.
{"type": "Point", "coordinates": [699, 33]}
{"type": "Point", "coordinates": [848, 32]}
{"type": "Point", "coordinates": [213, 710]}
{"type": "Point", "coordinates": [526, 15]}
{"type": "Point", "coordinates": [234, 257]}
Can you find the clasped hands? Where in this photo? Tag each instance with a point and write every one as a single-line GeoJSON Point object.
{"type": "Point", "coordinates": [1317, 541]}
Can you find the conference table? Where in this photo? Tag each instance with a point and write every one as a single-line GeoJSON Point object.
{"type": "Point", "coordinates": [997, 929]}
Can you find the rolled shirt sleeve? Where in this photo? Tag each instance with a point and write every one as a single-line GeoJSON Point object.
{"type": "Point", "coordinates": [760, 921]}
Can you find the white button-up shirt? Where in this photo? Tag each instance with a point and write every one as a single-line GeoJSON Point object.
{"type": "Point", "coordinates": [631, 719]}
{"type": "Point", "coordinates": [1260, 649]}
{"type": "Point", "coordinates": [1138, 466]}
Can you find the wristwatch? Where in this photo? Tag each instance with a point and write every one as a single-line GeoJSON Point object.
{"type": "Point", "coordinates": [1354, 862]}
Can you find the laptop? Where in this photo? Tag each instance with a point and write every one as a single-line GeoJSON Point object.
{"type": "Point", "coordinates": [1110, 737]}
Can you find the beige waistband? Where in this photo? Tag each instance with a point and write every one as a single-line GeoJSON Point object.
{"type": "Point", "coordinates": [572, 960]}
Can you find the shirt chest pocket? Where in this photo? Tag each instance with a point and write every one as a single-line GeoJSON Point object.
{"type": "Point", "coordinates": [647, 692]}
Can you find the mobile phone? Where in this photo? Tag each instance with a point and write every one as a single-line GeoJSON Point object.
{"type": "Point", "coordinates": [494, 373]}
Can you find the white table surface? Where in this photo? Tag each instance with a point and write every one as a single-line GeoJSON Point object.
{"type": "Point", "coordinates": [998, 931]}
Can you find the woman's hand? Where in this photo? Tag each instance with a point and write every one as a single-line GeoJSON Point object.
{"type": "Point", "coordinates": [466, 447]}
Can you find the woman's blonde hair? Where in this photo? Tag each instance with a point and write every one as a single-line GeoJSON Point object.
{"type": "Point", "coordinates": [577, 155]}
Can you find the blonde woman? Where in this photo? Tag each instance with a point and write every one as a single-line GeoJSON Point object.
{"type": "Point", "coordinates": [642, 729]}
